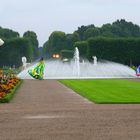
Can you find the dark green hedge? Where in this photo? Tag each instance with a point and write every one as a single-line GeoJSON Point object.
{"type": "Point", "coordinates": [122, 50]}
{"type": "Point", "coordinates": [66, 54]}
{"type": "Point", "coordinates": [13, 51]}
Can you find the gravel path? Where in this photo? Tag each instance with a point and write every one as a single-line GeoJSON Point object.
{"type": "Point", "coordinates": [47, 110]}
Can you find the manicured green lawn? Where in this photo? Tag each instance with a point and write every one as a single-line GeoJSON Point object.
{"type": "Point", "coordinates": [106, 91]}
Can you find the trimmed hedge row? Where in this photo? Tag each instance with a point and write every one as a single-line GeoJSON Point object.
{"type": "Point", "coordinates": [122, 50]}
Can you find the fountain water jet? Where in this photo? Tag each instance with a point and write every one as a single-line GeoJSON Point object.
{"type": "Point", "coordinates": [77, 62]}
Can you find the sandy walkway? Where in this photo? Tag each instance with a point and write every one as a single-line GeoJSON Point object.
{"type": "Point", "coordinates": [47, 110]}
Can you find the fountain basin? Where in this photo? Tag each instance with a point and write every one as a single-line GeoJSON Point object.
{"type": "Point", "coordinates": [59, 70]}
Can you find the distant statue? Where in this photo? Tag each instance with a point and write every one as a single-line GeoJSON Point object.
{"type": "Point", "coordinates": [24, 63]}
{"type": "Point", "coordinates": [94, 60]}
{"type": "Point", "coordinates": [1, 42]}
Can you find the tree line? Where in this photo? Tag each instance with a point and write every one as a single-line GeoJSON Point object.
{"type": "Point", "coordinates": [117, 42]}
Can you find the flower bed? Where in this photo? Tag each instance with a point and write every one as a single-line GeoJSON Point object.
{"type": "Point", "coordinates": [8, 85]}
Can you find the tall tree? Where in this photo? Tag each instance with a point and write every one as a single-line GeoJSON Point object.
{"type": "Point", "coordinates": [82, 29]}
{"type": "Point", "coordinates": [57, 42]}
{"type": "Point", "coordinates": [83, 48]}
{"type": "Point", "coordinates": [71, 39]}
{"type": "Point", "coordinates": [34, 41]}
{"type": "Point", "coordinates": [8, 34]}
{"type": "Point", "coordinates": [91, 32]}
{"type": "Point", "coordinates": [13, 50]}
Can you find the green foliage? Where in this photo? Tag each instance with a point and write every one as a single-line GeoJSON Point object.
{"type": "Point", "coordinates": [117, 42]}
{"type": "Point", "coordinates": [15, 47]}
{"type": "Point", "coordinates": [123, 28]}
{"type": "Point", "coordinates": [66, 54]}
{"type": "Point", "coordinates": [40, 49]}
{"type": "Point", "coordinates": [46, 50]}
{"type": "Point", "coordinates": [81, 30]}
{"type": "Point", "coordinates": [71, 39]}
{"type": "Point", "coordinates": [91, 32]}
{"type": "Point", "coordinates": [8, 34]}
{"type": "Point", "coordinates": [123, 50]}
{"type": "Point", "coordinates": [106, 91]}
{"type": "Point", "coordinates": [83, 48]}
{"type": "Point", "coordinates": [34, 42]}
{"type": "Point", "coordinates": [59, 41]}
{"type": "Point", "coordinates": [56, 43]}
{"type": "Point", "coordinates": [134, 67]}
{"type": "Point", "coordinates": [119, 28]}
{"type": "Point", "coordinates": [13, 50]}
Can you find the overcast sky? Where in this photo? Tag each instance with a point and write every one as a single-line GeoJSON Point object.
{"type": "Point", "coordinates": [46, 16]}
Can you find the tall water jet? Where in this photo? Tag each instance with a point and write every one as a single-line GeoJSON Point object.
{"type": "Point", "coordinates": [77, 62]}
